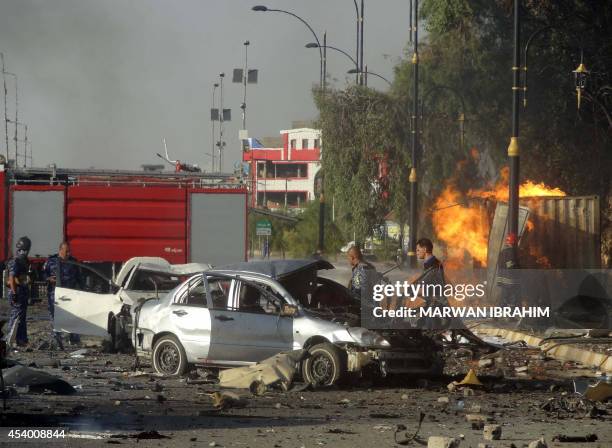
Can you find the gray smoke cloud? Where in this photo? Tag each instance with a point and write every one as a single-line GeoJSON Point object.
{"type": "Point", "coordinates": [102, 81]}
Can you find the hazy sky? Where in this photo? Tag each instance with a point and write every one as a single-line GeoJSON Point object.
{"type": "Point", "coordinates": [102, 81]}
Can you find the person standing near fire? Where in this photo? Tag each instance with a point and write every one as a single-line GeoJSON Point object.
{"type": "Point", "coordinates": [61, 265]}
{"type": "Point", "coordinates": [19, 291]}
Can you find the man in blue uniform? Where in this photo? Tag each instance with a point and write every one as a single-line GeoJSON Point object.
{"type": "Point", "coordinates": [61, 266]}
{"type": "Point", "coordinates": [18, 293]}
{"type": "Point", "coordinates": [359, 271]}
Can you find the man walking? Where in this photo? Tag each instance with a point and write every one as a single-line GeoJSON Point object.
{"type": "Point", "coordinates": [18, 294]}
{"type": "Point", "coordinates": [61, 267]}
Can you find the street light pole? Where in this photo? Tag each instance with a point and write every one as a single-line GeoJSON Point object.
{"type": "Point", "coordinates": [221, 142]}
{"type": "Point", "coordinates": [215, 85]}
{"type": "Point", "coordinates": [314, 45]}
{"type": "Point", "coordinates": [244, 81]}
{"type": "Point", "coordinates": [261, 8]}
{"type": "Point", "coordinates": [361, 20]}
{"type": "Point", "coordinates": [367, 72]}
{"type": "Point", "coordinates": [357, 42]}
{"type": "Point", "coordinates": [412, 234]}
{"type": "Point", "coordinates": [513, 147]}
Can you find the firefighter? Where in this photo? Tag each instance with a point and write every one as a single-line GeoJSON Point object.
{"type": "Point", "coordinates": [63, 265]}
{"type": "Point", "coordinates": [19, 291]}
{"type": "Point", "coordinates": [507, 279]}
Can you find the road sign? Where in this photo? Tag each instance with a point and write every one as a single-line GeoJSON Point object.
{"type": "Point", "coordinates": [263, 227]}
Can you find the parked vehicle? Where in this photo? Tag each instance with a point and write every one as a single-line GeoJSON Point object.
{"type": "Point", "coordinates": [102, 307]}
{"type": "Point", "coordinates": [244, 313]}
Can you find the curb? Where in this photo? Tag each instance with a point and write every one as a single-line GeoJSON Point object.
{"type": "Point", "coordinates": [600, 361]}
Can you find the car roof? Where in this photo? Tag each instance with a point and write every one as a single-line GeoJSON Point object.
{"type": "Point", "coordinates": [158, 264]}
{"type": "Point", "coordinates": [275, 269]}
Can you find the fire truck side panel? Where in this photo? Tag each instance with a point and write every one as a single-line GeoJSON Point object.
{"type": "Point", "coordinates": [217, 226]}
{"type": "Point", "coordinates": [38, 214]}
{"type": "Point", "coordinates": [115, 223]}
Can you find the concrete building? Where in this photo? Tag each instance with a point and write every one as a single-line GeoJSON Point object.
{"type": "Point", "coordinates": [284, 177]}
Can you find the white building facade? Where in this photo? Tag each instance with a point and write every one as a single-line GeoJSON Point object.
{"type": "Point", "coordinates": [285, 177]}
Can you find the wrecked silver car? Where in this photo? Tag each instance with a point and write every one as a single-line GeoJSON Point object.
{"type": "Point", "coordinates": [101, 307]}
{"type": "Point", "coordinates": [243, 313]}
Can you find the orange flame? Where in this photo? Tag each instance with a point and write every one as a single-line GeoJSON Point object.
{"type": "Point", "coordinates": [463, 224]}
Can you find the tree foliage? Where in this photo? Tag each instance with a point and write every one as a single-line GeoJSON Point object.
{"type": "Point", "coordinates": [364, 135]}
{"type": "Point", "coordinates": [465, 63]}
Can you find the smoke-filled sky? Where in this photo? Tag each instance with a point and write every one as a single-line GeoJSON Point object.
{"type": "Point", "coordinates": [102, 81]}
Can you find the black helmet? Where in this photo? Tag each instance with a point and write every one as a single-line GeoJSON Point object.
{"type": "Point", "coordinates": [24, 243]}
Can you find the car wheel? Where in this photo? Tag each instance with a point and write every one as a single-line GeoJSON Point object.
{"type": "Point", "coordinates": [169, 356]}
{"type": "Point", "coordinates": [325, 365]}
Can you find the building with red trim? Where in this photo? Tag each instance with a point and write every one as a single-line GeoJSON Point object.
{"type": "Point", "coordinates": [285, 177]}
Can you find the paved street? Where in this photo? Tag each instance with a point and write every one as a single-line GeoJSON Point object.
{"type": "Point", "coordinates": [112, 405]}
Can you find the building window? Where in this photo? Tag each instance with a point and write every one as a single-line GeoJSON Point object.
{"type": "Point", "coordinates": [317, 143]}
{"type": "Point", "coordinates": [304, 143]}
{"type": "Point", "coordinates": [291, 170]}
{"type": "Point", "coordinates": [278, 199]}
{"type": "Point", "coordinates": [293, 143]}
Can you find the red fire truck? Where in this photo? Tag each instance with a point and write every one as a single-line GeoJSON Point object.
{"type": "Point", "coordinates": [109, 216]}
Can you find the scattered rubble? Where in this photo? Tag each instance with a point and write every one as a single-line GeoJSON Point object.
{"type": "Point", "coordinates": [225, 400]}
{"type": "Point", "coordinates": [279, 370]}
{"type": "Point", "coordinates": [540, 443]}
{"type": "Point", "coordinates": [492, 432]}
{"type": "Point", "coordinates": [575, 439]}
{"type": "Point", "coordinates": [35, 380]}
{"type": "Point", "coordinates": [442, 442]}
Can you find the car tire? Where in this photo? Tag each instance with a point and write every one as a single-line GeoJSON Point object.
{"type": "Point", "coordinates": [325, 365]}
{"type": "Point", "coordinates": [169, 358]}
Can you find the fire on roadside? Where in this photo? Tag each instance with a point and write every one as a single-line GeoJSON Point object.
{"type": "Point", "coordinates": [460, 219]}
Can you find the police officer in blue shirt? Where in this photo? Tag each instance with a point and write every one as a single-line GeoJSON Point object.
{"type": "Point", "coordinates": [18, 294]}
{"type": "Point", "coordinates": [61, 265]}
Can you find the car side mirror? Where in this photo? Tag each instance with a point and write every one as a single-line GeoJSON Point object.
{"type": "Point", "coordinates": [288, 310]}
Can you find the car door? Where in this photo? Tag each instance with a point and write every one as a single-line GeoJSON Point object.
{"type": "Point", "coordinates": [249, 327]}
{"type": "Point", "coordinates": [85, 309]}
{"type": "Point", "coordinates": [190, 317]}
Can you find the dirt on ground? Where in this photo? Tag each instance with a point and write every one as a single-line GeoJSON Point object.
{"type": "Point", "coordinates": [527, 395]}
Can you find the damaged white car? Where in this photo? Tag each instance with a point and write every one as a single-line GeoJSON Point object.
{"type": "Point", "coordinates": [242, 314]}
{"type": "Point", "coordinates": [102, 307]}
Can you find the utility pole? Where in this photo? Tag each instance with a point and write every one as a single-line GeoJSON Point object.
{"type": "Point", "coordinates": [513, 147]}
{"type": "Point", "coordinates": [412, 234]}
{"type": "Point", "coordinates": [5, 108]}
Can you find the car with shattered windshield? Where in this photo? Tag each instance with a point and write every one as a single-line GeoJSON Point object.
{"type": "Point", "coordinates": [241, 314]}
{"type": "Point", "coordinates": [101, 307]}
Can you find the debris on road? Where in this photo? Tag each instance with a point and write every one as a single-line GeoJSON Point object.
{"type": "Point", "coordinates": [443, 442]}
{"type": "Point", "coordinates": [405, 439]}
{"type": "Point", "coordinates": [470, 380]}
{"type": "Point", "coordinates": [279, 370]}
{"type": "Point", "coordinates": [492, 432]}
{"type": "Point", "coordinates": [540, 443]}
{"type": "Point", "coordinates": [225, 400]}
{"type": "Point", "coordinates": [575, 439]}
{"type": "Point", "coordinates": [35, 380]}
